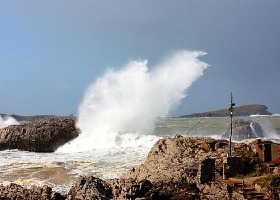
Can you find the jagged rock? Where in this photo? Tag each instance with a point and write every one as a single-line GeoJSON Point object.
{"type": "Point", "coordinates": [90, 188]}
{"type": "Point", "coordinates": [174, 159]}
{"type": "Point", "coordinates": [243, 129]}
{"type": "Point", "coordinates": [39, 136]}
{"type": "Point", "coordinates": [14, 191]}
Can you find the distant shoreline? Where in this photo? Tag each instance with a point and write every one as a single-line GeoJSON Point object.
{"type": "Point", "coordinates": [32, 118]}
{"type": "Point", "coordinates": [245, 110]}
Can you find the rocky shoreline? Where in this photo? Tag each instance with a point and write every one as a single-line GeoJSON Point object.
{"type": "Point", "coordinates": [175, 168]}
{"type": "Point", "coordinates": [164, 175]}
{"type": "Point", "coordinates": [172, 170]}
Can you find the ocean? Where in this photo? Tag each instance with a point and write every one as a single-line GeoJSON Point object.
{"type": "Point", "coordinates": [60, 169]}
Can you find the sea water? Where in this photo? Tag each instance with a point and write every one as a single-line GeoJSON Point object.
{"type": "Point", "coordinates": [60, 170]}
{"type": "Point", "coordinates": [118, 119]}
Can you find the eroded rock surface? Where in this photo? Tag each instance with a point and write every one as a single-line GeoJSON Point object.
{"type": "Point", "coordinates": [14, 191]}
{"type": "Point", "coordinates": [39, 136]}
{"type": "Point", "coordinates": [173, 159]}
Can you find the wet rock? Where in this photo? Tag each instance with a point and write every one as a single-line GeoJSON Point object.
{"type": "Point", "coordinates": [14, 191]}
{"type": "Point", "coordinates": [243, 129]}
{"type": "Point", "coordinates": [39, 136]}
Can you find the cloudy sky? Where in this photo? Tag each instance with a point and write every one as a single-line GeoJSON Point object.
{"type": "Point", "coordinates": [50, 51]}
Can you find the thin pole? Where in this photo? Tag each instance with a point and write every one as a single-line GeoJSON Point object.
{"type": "Point", "coordinates": [230, 134]}
{"type": "Point", "coordinates": [231, 109]}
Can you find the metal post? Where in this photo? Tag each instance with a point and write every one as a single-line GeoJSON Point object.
{"type": "Point", "coordinates": [231, 109]}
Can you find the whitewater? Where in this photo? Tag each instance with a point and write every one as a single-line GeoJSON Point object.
{"type": "Point", "coordinates": [125, 102]}
{"type": "Point", "coordinates": [123, 113]}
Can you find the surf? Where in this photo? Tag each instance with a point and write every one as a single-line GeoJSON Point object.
{"type": "Point", "coordinates": [124, 103]}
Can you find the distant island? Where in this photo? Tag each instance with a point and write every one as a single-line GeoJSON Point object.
{"type": "Point", "coordinates": [245, 110]}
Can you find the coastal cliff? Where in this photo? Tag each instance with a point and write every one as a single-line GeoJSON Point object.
{"type": "Point", "coordinates": [245, 110]}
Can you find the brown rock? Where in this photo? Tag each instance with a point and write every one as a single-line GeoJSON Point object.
{"type": "Point", "coordinates": [14, 191]}
{"type": "Point", "coordinates": [90, 188]}
{"type": "Point", "coordinates": [171, 159]}
{"type": "Point", "coordinates": [39, 136]}
{"type": "Point", "coordinates": [129, 188]}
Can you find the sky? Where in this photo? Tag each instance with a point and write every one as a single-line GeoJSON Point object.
{"type": "Point", "coordinates": [51, 51]}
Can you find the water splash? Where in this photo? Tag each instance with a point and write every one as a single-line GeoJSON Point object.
{"type": "Point", "coordinates": [253, 130]}
{"type": "Point", "coordinates": [7, 121]}
{"type": "Point", "coordinates": [129, 100]}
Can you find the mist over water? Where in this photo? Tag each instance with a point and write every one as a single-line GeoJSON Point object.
{"type": "Point", "coordinates": [120, 108]}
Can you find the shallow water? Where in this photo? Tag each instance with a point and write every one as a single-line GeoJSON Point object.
{"type": "Point", "coordinates": [60, 170]}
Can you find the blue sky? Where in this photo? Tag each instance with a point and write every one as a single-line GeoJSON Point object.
{"type": "Point", "coordinates": [50, 51]}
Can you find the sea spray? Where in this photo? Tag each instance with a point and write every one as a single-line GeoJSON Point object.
{"type": "Point", "coordinates": [7, 121]}
{"type": "Point", "coordinates": [129, 99]}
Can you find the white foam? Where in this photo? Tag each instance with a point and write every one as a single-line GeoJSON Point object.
{"type": "Point", "coordinates": [129, 100]}
{"type": "Point", "coordinates": [7, 121]}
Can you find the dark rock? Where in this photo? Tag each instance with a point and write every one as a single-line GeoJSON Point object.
{"type": "Point", "coordinates": [242, 129]}
{"type": "Point", "coordinates": [14, 191]}
{"type": "Point", "coordinates": [39, 136]}
{"type": "Point", "coordinates": [90, 188]}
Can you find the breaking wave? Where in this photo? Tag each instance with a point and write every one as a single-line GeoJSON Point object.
{"type": "Point", "coordinates": [7, 121]}
{"type": "Point", "coordinates": [120, 108]}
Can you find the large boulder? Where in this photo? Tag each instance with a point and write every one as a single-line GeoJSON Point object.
{"type": "Point", "coordinates": [40, 136]}
{"type": "Point", "coordinates": [244, 129]}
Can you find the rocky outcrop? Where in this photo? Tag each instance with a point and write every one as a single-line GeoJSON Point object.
{"type": "Point", "coordinates": [14, 191]}
{"type": "Point", "coordinates": [178, 159]}
{"type": "Point", "coordinates": [245, 110]}
{"type": "Point", "coordinates": [244, 129]}
{"type": "Point", "coordinates": [169, 172]}
{"type": "Point", "coordinates": [39, 136]}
